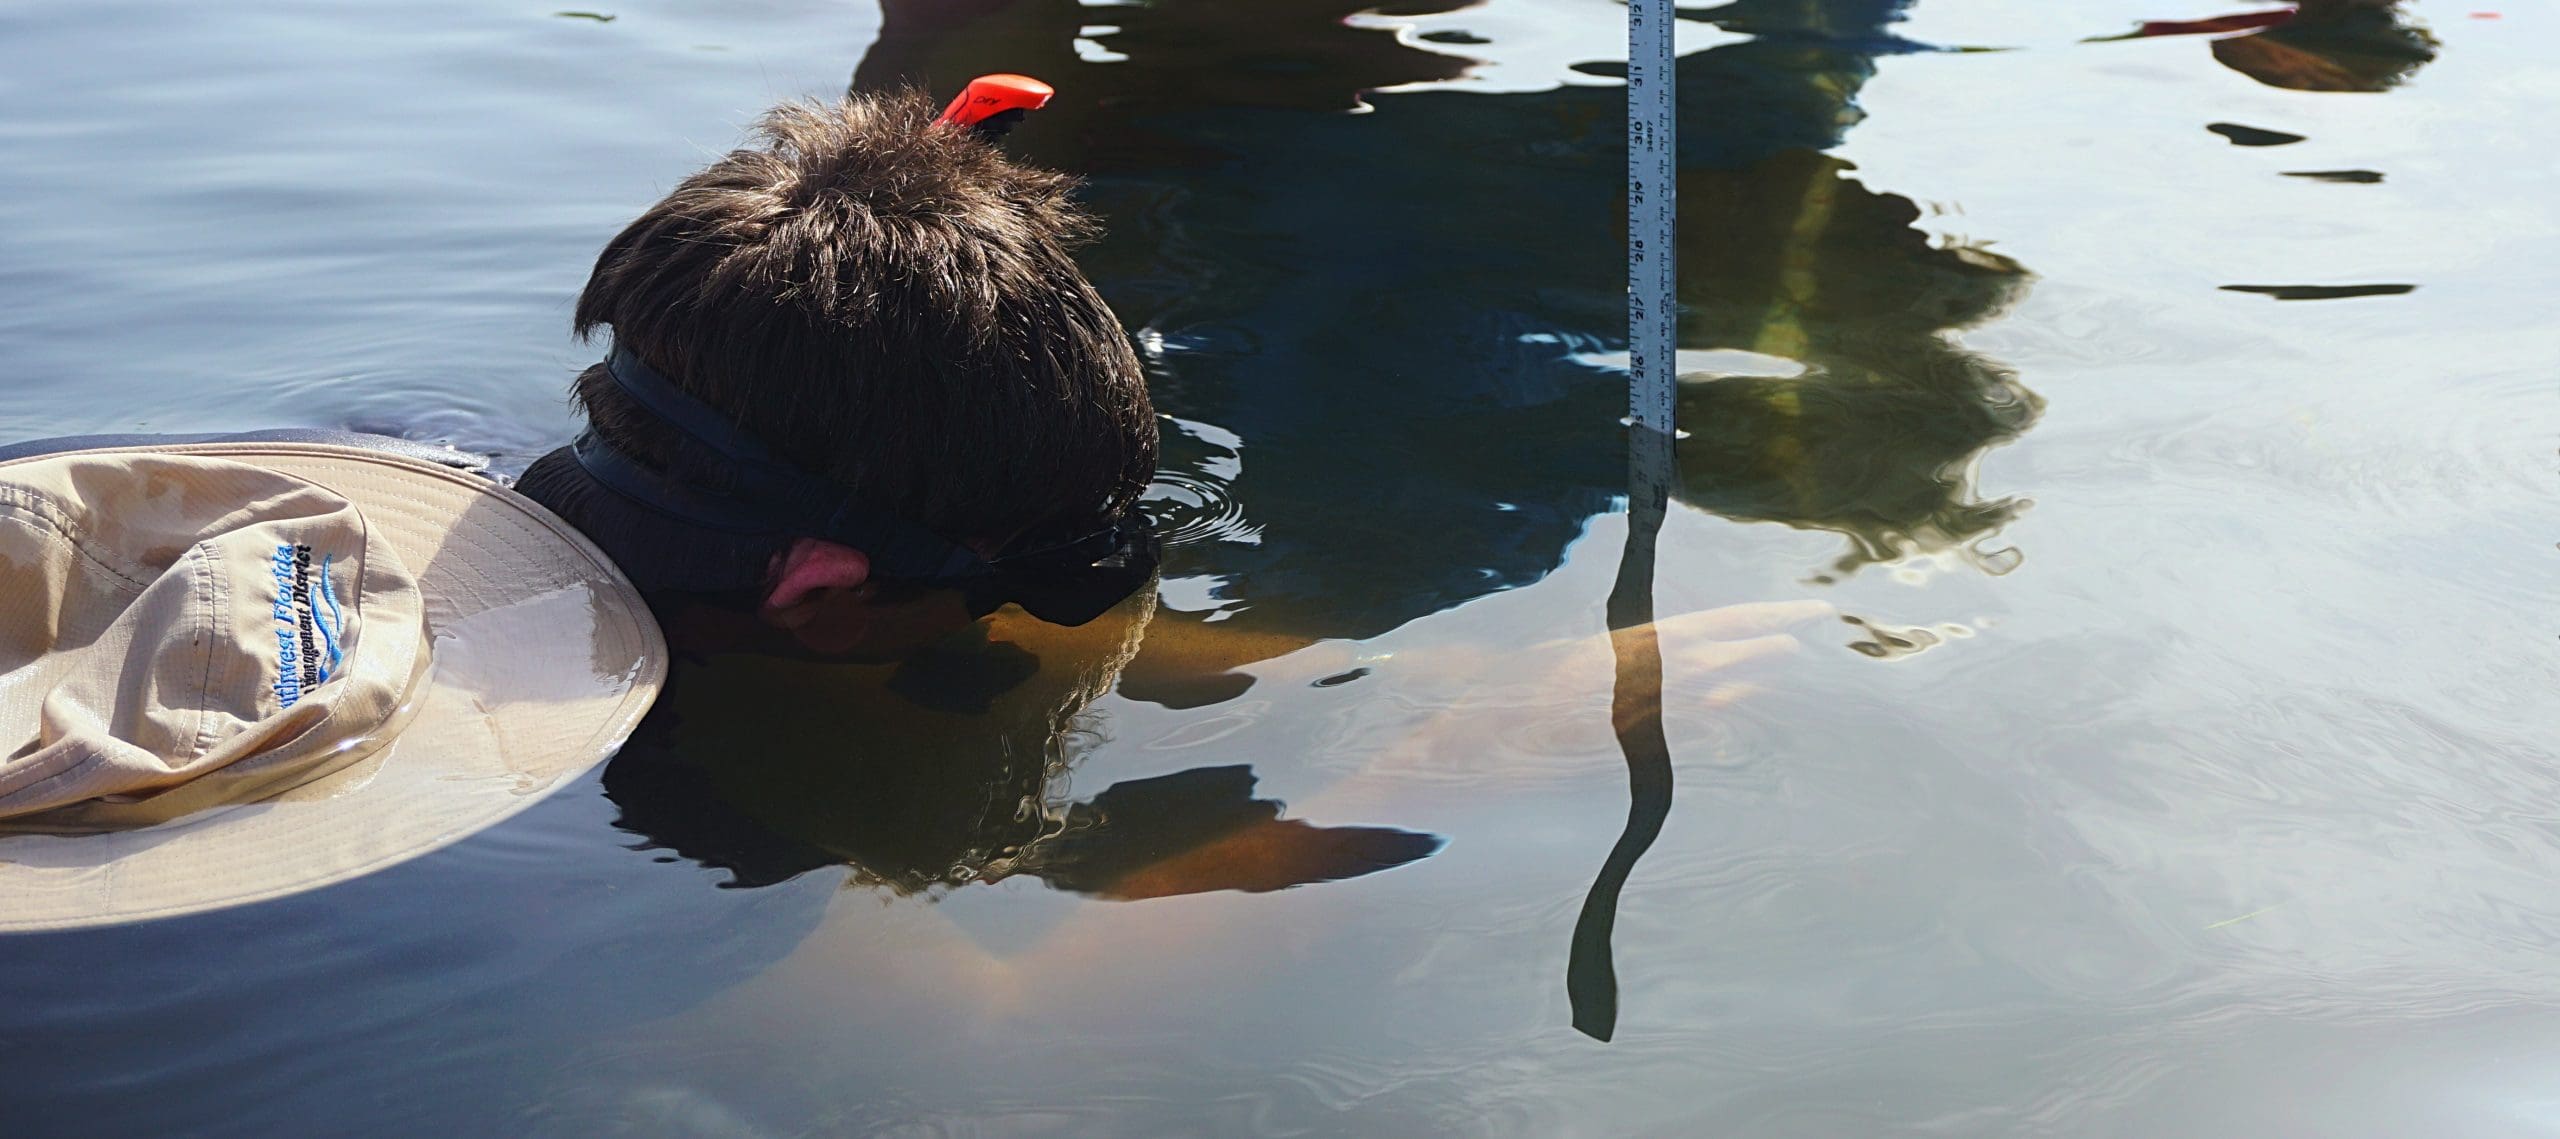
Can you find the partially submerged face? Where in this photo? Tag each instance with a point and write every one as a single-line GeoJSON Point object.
{"type": "Point", "coordinates": [874, 621]}
{"type": "Point", "coordinates": [851, 365]}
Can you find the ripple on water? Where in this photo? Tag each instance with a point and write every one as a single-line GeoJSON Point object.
{"type": "Point", "coordinates": [2403, 850]}
{"type": "Point", "coordinates": [2069, 329]}
{"type": "Point", "coordinates": [2409, 450]}
{"type": "Point", "coordinates": [501, 414]}
{"type": "Point", "coordinates": [1188, 509]}
{"type": "Point", "coordinates": [1896, 642]}
{"type": "Point", "coordinates": [1192, 500]}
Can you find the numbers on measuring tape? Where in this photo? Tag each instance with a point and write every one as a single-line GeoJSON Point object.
{"type": "Point", "coordinates": [1652, 193]}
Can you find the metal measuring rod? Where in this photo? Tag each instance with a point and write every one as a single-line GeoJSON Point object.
{"type": "Point", "coordinates": [1591, 978]}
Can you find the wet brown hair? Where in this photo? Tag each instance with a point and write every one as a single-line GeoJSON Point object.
{"type": "Point", "coordinates": [889, 305]}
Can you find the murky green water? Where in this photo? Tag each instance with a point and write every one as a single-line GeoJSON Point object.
{"type": "Point", "coordinates": [2173, 757]}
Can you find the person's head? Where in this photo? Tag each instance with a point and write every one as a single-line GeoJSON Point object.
{"type": "Point", "coordinates": [886, 307]}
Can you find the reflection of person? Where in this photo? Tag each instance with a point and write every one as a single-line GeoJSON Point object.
{"type": "Point", "coordinates": [948, 767]}
{"type": "Point", "coordinates": [836, 785]}
{"type": "Point", "coordinates": [2316, 45]}
{"type": "Point", "coordinates": [2332, 45]}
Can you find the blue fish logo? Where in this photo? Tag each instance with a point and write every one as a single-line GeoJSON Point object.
{"type": "Point", "coordinates": [331, 623]}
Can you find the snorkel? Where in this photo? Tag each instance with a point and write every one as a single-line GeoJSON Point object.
{"type": "Point", "coordinates": [994, 104]}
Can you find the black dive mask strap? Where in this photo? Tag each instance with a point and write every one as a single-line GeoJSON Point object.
{"type": "Point", "coordinates": [765, 495]}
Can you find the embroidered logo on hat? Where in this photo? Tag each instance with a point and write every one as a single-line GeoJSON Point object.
{"type": "Point", "coordinates": [308, 622]}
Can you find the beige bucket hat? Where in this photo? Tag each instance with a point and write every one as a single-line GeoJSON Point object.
{"type": "Point", "coordinates": [234, 671]}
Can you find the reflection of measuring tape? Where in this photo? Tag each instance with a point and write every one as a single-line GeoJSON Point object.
{"type": "Point", "coordinates": [1652, 196]}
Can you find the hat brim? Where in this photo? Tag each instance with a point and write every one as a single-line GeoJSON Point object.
{"type": "Point", "coordinates": [545, 658]}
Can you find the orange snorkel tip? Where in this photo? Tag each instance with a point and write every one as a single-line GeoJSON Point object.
{"type": "Point", "coordinates": [992, 104]}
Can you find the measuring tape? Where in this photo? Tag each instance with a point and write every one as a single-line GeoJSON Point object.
{"type": "Point", "coordinates": [1653, 313]}
{"type": "Point", "coordinates": [1635, 702]}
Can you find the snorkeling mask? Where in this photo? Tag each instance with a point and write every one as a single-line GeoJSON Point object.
{"type": "Point", "coordinates": [1066, 582]}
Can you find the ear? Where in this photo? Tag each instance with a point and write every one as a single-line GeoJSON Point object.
{"type": "Point", "coordinates": [811, 565]}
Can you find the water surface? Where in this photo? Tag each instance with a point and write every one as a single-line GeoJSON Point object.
{"type": "Point", "coordinates": [2165, 422]}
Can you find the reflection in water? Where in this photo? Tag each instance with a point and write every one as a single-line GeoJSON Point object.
{"type": "Point", "coordinates": [1873, 437]}
{"type": "Point", "coordinates": [1785, 255]}
{"type": "Point", "coordinates": [1876, 439]}
{"type": "Point", "coordinates": [2321, 292]}
{"type": "Point", "coordinates": [1298, 54]}
{"type": "Point", "coordinates": [2210, 25]}
{"type": "Point", "coordinates": [949, 768]}
{"type": "Point", "coordinates": [2252, 136]}
{"type": "Point", "coordinates": [1893, 642]}
{"type": "Point", "coordinates": [2318, 45]}
{"type": "Point", "coordinates": [1635, 712]}
{"type": "Point", "coordinates": [1435, 434]}
{"type": "Point", "coordinates": [1408, 444]}
{"type": "Point", "coordinates": [2333, 45]}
